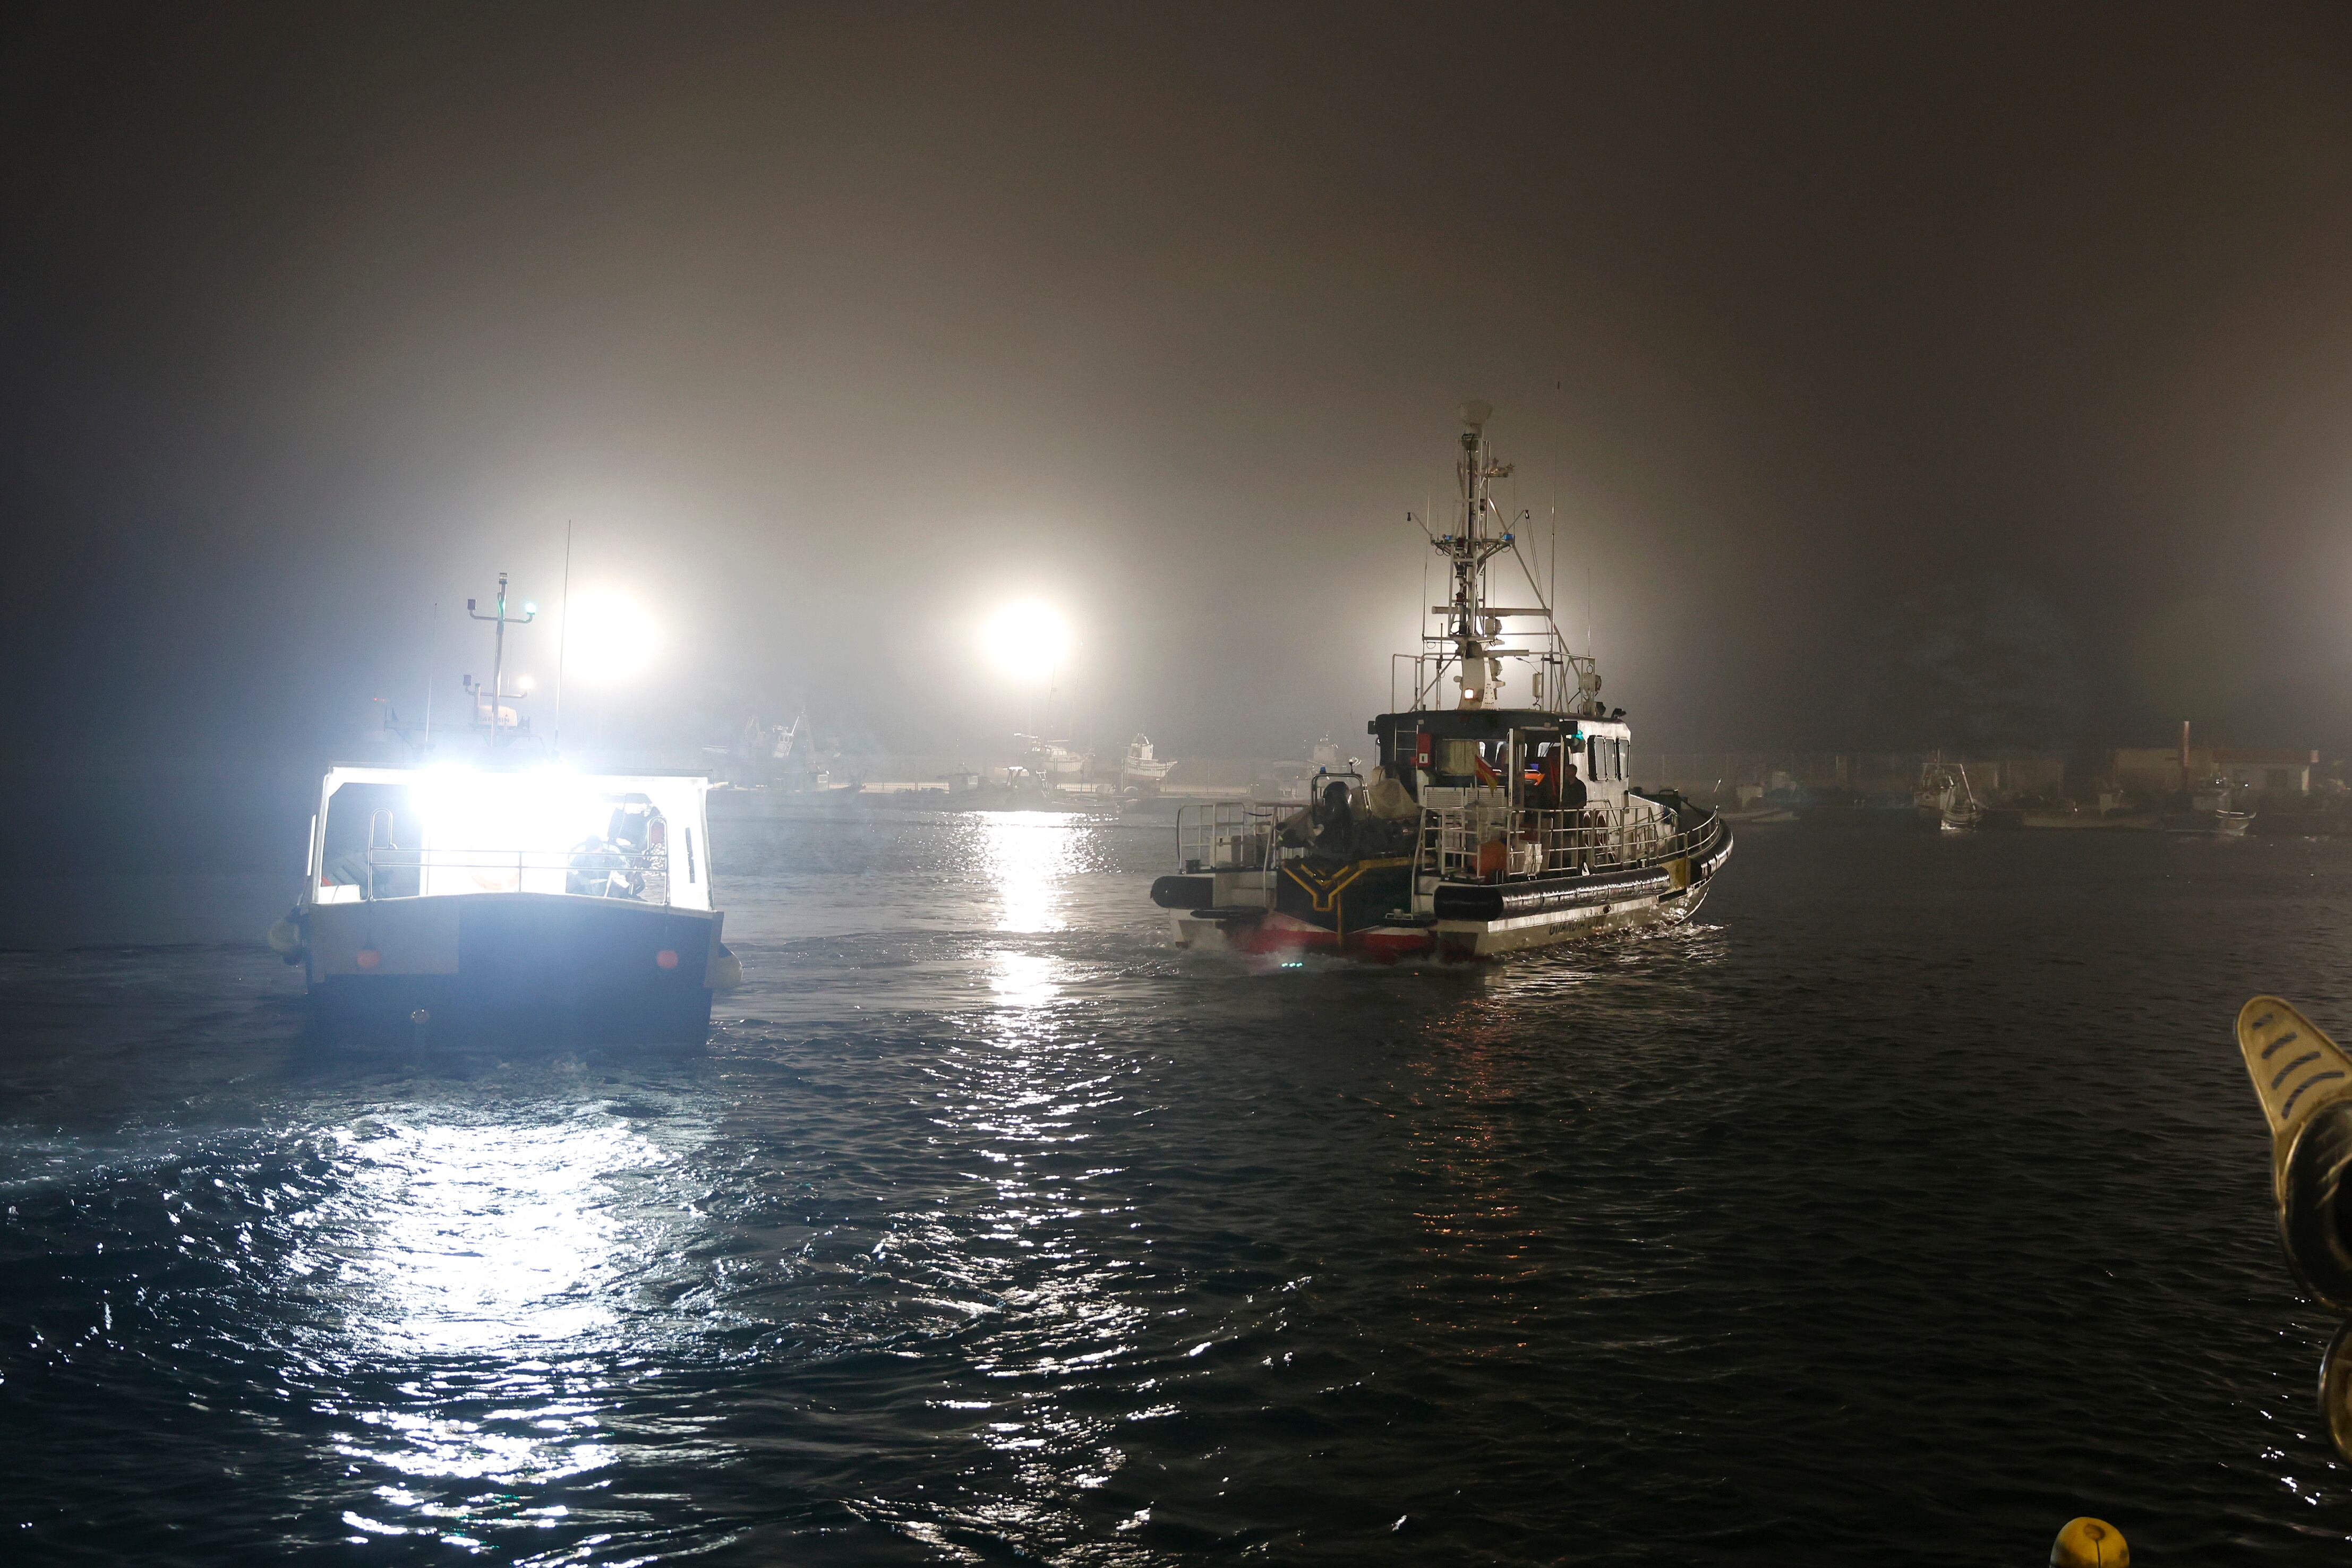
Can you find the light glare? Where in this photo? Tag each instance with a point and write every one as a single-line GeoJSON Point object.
{"type": "Point", "coordinates": [611, 638]}
{"type": "Point", "coordinates": [493, 832]}
{"type": "Point", "coordinates": [1026, 640]}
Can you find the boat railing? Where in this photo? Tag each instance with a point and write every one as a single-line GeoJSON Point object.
{"type": "Point", "coordinates": [640, 875]}
{"type": "Point", "coordinates": [1227, 835]}
{"type": "Point", "coordinates": [1416, 676]}
{"type": "Point", "coordinates": [1415, 679]}
{"type": "Point", "coordinates": [1500, 842]}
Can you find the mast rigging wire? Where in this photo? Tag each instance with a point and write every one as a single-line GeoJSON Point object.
{"type": "Point", "coordinates": [431, 640]}
{"type": "Point", "coordinates": [562, 634]}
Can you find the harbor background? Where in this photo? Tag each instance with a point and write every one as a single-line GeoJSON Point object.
{"type": "Point", "coordinates": [126, 846]}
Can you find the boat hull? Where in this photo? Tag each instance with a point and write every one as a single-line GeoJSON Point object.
{"type": "Point", "coordinates": [1462, 941]}
{"type": "Point", "coordinates": [547, 967]}
{"type": "Point", "coordinates": [1361, 907]}
{"type": "Point", "coordinates": [2213, 824]}
{"type": "Point", "coordinates": [1274, 935]}
{"type": "Point", "coordinates": [1481, 922]}
{"type": "Point", "coordinates": [1472, 920]}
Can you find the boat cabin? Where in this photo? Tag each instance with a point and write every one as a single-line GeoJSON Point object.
{"type": "Point", "coordinates": [400, 833]}
{"type": "Point", "coordinates": [1462, 757]}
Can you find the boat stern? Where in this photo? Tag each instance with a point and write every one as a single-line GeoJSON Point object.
{"type": "Point", "coordinates": [537, 964]}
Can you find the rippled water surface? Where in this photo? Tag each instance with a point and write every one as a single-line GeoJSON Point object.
{"type": "Point", "coordinates": [1912, 1197]}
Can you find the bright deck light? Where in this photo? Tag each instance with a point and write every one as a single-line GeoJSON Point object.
{"type": "Point", "coordinates": [504, 832]}
{"type": "Point", "coordinates": [611, 639]}
{"type": "Point", "coordinates": [1026, 640]}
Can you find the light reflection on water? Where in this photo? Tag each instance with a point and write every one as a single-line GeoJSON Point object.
{"type": "Point", "coordinates": [1020, 1091]}
{"type": "Point", "coordinates": [482, 1275]}
{"type": "Point", "coordinates": [492, 1270]}
{"type": "Point", "coordinates": [493, 1237]}
{"type": "Point", "coordinates": [1485, 1234]}
{"type": "Point", "coordinates": [1023, 980]}
{"type": "Point", "coordinates": [1029, 855]}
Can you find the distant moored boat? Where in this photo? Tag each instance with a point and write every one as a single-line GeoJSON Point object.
{"type": "Point", "coordinates": [1944, 798]}
{"type": "Point", "coordinates": [2211, 809]}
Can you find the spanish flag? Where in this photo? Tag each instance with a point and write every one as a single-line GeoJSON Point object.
{"type": "Point", "coordinates": [1487, 774]}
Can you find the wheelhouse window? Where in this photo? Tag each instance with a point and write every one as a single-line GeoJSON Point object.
{"type": "Point", "coordinates": [1604, 759]}
{"type": "Point", "coordinates": [1464, 764]}
{"type": "Point", "coordinates": [430, 836]}
{"type": "Point", "coordinates": [372, 837]}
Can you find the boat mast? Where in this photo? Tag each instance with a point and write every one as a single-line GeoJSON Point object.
{"type": "Point", "coordinates": [499, 692]}
{"type": "Point", "coordinates": [1470, 627]}
{"type": "Point", "coordinates": [1472, 637]}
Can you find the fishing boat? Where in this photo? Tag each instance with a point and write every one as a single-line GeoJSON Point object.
{"type": "Point", "coordinates": [1485, 825]}
{"type": "Point", "coordinates": [784, 759]}
{"type": "Point", "coordinates": [1143, 770]}
{"type": "Point", "coordinates": [493, 890]}
{"type": "Point", "coordinates": [1945, 800]}
{"type": "Point", "coordinates": [1055, 767]}
{"type": "Point", "coordinates": [2212, 810]}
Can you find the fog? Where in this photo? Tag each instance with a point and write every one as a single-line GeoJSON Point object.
{"type": "Point", "coordinates": [1819, 336]}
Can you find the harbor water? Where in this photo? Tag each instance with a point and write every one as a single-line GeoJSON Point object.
{"type": "Point", "coordinates": [1907, 1203]}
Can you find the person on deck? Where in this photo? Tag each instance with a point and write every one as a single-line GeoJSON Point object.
{"type": "Point", "coordinates": [1573, 802]}
{"type": "Point", "coordinates": [1335, 832]}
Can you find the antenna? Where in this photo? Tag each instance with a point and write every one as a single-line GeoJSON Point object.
{"type": "Point", "coordinates": [562, 634]}
{"type": "Point", "coordinates": [1552, 596]}
{"type": "Point", "coordinates": [432, 637]}
{"type": "Point", "coordinates": [1590, 640]}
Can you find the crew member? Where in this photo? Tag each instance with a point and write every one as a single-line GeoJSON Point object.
{"type": "Point", "coordinates": [1540, 781]}
{"type": "Point", "coordinates": [1335, 833]}
{"type": "Point", "coordinates": [1573, 802]}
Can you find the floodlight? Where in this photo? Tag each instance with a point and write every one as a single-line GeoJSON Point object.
{"type": "Point", "coordinates": [611, 638]}
{"type": "Point", "coordinates": [1026, 640]}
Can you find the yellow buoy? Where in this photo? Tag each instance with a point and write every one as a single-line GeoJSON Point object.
{"type": "Point", "coordinates": [2090, 1543]}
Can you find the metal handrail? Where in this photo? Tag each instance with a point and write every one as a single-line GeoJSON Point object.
{"type": "Point", "coordinates": [1228, 835]}
{"type": "Point", "coordinates": [1428, 674]}
{"type": "Point", "coordinates": [1428, 671]}
{"type": "Point", "coordinates": [650, 871]}
{"type": "Point", "coordinates": [1553, 843]}
{"type": "Point", "coordinates": [1245, 835]}
{"type": "Point", "coordinates": [382, 858]}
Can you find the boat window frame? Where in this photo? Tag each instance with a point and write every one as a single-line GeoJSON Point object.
{"type": "Point", "coordinates": [682, 797]}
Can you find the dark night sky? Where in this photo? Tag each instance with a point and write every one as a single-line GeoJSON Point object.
{"type": "Point", "coordinates": [1848, 331]}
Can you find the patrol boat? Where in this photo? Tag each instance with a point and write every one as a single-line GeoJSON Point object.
{"type": "Point", "coordinates": [494, 890]}
{"type": "Point", "coordinates": [1483, 827]}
